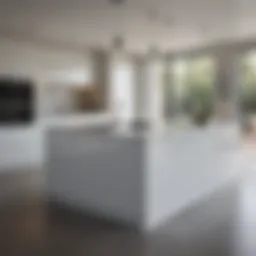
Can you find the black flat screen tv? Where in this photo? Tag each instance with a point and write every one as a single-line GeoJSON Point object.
{"type": "Point", "coordinates": [16, 101]}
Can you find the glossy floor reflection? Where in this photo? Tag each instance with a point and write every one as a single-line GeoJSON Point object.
{"type": "Point", "coordinates": [222, 225]}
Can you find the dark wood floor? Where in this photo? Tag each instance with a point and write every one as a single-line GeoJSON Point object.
{"type": "Point", "coordinates": [223, 225]}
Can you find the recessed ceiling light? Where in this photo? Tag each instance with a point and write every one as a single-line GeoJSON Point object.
{"type": "Point", "coordinates": [168, 22]}
{"type": "Point", "coordinates": [117, 2]}
{"type": "Point", "coordinates": [118, 42]}
{"type": "Point", "coordinates": [152, 14]}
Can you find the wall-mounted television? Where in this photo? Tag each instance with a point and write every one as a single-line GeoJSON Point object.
{"type": "Point", "coordinates": [16, 101]}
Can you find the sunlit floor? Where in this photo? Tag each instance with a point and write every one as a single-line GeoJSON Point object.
{"type": "Point", "coordinates": [222, 225]}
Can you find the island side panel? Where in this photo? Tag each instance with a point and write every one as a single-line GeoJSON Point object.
{"type": "Point", "coordinates": [184, 167]}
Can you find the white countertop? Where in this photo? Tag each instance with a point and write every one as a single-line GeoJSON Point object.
{"type": "Point", "coordinates": [75, 120]}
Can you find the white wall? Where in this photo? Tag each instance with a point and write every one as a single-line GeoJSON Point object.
{"type": "Point", "coordinates": [23, 145]}
{"type": "Point", "coordinates": [45, 66]}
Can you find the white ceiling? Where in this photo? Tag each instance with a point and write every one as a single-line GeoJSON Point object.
{"type": "Point", "coordinates": [167, 24]}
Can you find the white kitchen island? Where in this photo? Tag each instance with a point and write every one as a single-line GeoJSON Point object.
{"type": "Point", "coordinates": [140, 178]}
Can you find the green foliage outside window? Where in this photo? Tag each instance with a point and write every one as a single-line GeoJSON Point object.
{"type": "Point", "coordinates": [248, 90]}
{"type": "Point", "coordinates": [198, 99]}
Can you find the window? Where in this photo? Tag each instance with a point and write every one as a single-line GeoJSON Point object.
{"type": "Point", "coordinates": [192, 88]}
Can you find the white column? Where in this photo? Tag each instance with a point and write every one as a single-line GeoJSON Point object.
{"type": "Point", "coordinates": [154, 75]}
{"type": "Point", "coordinates": [170, 97]}
{"type": "Point", "coordinates": [228, 82]}
{"type": "Point", "coordinates": [140, 91]}
{"type": "Point", "coordinates": [100, 75]}
{"type": "Point", "coordinates": [121, 82]}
